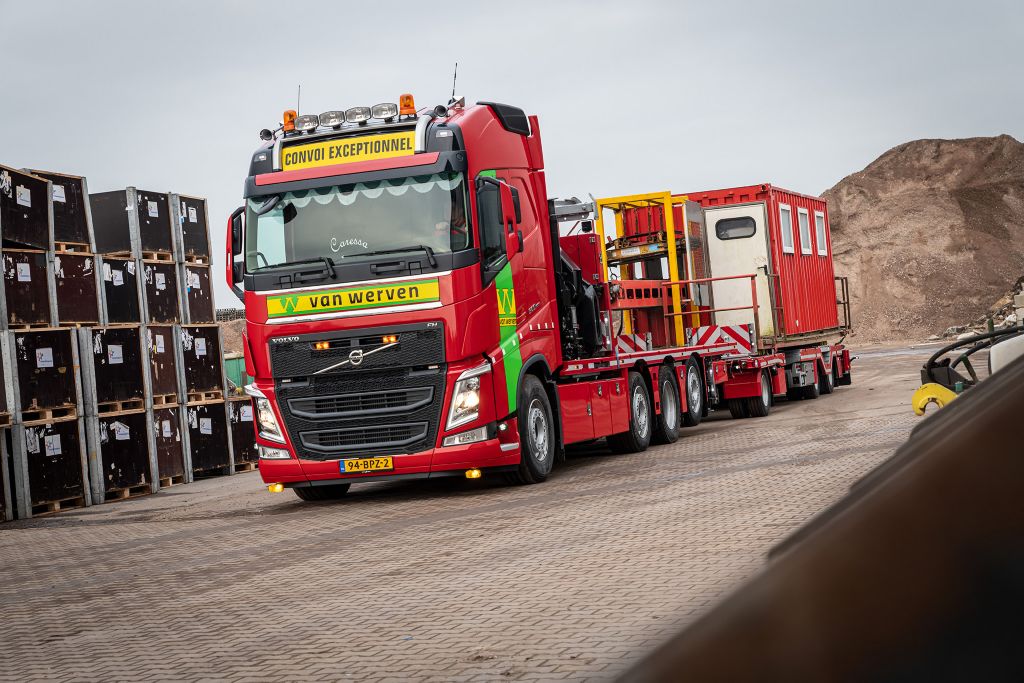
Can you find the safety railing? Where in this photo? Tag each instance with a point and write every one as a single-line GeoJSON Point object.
{"type": "Point", "coordinates": [843, 301]}
{"type": "Point", "coordinates": [753, 307]}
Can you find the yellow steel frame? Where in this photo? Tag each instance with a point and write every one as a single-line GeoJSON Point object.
{"type": "Point", "coordinates": [666, 201]}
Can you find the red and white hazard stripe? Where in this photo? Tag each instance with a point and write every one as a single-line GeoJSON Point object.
{"type": "Point", "coordinates": [740, 335]}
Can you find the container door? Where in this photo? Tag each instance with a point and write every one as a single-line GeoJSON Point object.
{"type": "Point", "coordinates": [737, 239]}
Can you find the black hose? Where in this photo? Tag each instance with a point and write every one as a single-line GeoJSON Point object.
{"type": "Point", "coordinates": [933, 361]}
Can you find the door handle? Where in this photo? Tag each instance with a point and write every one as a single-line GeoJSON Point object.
{"type": "Point", "coordinates": [519, 235]}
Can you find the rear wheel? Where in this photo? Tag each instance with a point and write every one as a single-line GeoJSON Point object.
{"type": "Point", "coordinates": [536, 433]}
{"type": "Point", "coordinates": [738, 408]}
{"type": "Point", "coordinates": [638, 437]}
{"type": "Point", "coordinates": [666, 425]}
{"type": "Point", "coordinates": [694, 394]}
{"type": "Point", "coordinates": [320, 493]}
{"type": "Point", "coordinates": [810, 391]}
{"type": "Point", "coordinates": [760, 405]}
{"type": "Point", "coordinates": [826, 382]}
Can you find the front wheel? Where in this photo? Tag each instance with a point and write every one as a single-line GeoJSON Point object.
{"type": "Point", "coordinates": [536, 433]}
{"type": "Point", "coordinates": [666, 424]}
{"type": "Point", "coordinates": [694, 394]}
{"type": "Point", "coordinates": [321, 493]}
{"type": "Point", "coordinates": [638, 437]}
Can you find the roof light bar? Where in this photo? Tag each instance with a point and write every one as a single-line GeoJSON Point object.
{"type": "Point", "coordinates": [334, 119]}
{"type": "Point", "coordinates": [386, 110]}
{"type": "Point", "coordinates": [307, 122]}
{"type": "Point", "coordinates": [357, 114]}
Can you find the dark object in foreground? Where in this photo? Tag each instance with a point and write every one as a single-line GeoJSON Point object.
{"type": "Point", "coordinates": [915, 575]}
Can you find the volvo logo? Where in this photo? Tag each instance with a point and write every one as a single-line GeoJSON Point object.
{"type": "Point", "coordinates": [355, 358]}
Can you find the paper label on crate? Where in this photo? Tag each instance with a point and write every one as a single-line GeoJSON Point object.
{"type": "Point", "coordinates": [130, 265]}
{"type": "Point", "coordinates": [245, 414]}
{"type": "Point", "coordinates": [192, 217]}
{"type": "Point", "coordinates": [193, 280]}
{"type": "Point", "coordinates": [58, 194]}
{"type": "Point", "coordinates": [24, 272]}
{"type": "Point", "coordinates": [24, 196]}
{"type": "Point", "coordinates": [161, 281]}
{"type": "Point", "coordinates": [165, 428]}
{"type": "Point", "coordinates": [44, 357]}
{"type": "Point", "coordinates": [200, 347]}
{"type": "Point", "coordinates": [52, 444]}
{"type": "Point", "coordinates": [122, 432]}
{"type": "Point", "coordinates": [115, 354]}
{"type": "Point", "coordinates": [205, 425]}
{"type": "Point", "coordinates": [154, 210]}
{"type": "Point", "coordinates": [159, 343]}
{"type": "Point", "coordinates": [31, 440]}
{"type": "Point", "coordinates": [107, 272]}
{"type": "Point", "coordinates": [117, 277]}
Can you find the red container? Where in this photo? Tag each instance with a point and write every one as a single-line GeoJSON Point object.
{"type": "Point", "coordinates": [801, 276]}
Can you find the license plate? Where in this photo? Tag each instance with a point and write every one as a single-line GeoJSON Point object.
{"type": "Point", "coordinates": [367, 465]}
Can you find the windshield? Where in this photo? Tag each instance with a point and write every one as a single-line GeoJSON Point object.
{"type": "Point", "coordinates": [353, 221]}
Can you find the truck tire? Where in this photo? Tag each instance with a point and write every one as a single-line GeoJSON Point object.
{"type": "Point", "coordinates": [761, 405]}
{"type": "Point", "coordinates": [826, 383]}
{"type": "Point", "coordinates": [666, 424]}
{"type": "Point", "coordinates": [638, 437]}
{"type": "Point", "coordinates": [738, 408]}
{"type": "Point", "coordinates": [320, 493]}
{"type": "Point", "coordinates": [536, 433]}
{"type": "Point", "coordinates": [810, 391]}
{"type": "Point", "coordinates": [845, 379]}
{"type": "Point", "coordinates": [695, 395]}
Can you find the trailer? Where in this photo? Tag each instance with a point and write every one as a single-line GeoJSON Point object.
{"type": "Point", "coordinates": [414, 309]}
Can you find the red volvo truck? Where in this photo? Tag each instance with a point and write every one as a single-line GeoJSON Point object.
{"type": "Point", "coordinates": [413, 310]}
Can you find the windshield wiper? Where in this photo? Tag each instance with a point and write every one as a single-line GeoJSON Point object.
{"type": "Point", "coordinates": [325, 260]}
{"type": "Point", "coordinates": [416, 247]}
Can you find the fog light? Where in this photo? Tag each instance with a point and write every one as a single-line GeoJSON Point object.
{"type": "Point", "coordinates": [357, 114]}
{"type": "Point", "coordinates": [275, 488]}
{"type": "Point", "coordinates": [470, 474]}
{"type": "Point", "coordinates": [334, 119]}
{"type": "Point", "coordinates": [387, 110]}
{"type": "Point", "coordinates": [467, 437]}
{"type": "Point", "coordinates": [307, 122]}
{"type": "Point", "coordinates": [268, 453]}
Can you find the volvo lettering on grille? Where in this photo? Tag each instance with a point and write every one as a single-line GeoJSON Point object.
{"type": "Point", "coordinates": [355, 358]}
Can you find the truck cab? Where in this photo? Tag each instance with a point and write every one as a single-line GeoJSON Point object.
{"type": "Point", "coordinates": [395, 269]}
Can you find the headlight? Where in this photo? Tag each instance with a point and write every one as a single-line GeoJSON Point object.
{"type": "Point", "coordinates": [265, 418]}
{"type": "Point", "coordinates": [466, 397]}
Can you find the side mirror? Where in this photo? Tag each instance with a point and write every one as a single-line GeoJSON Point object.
{"type": "Point", "coordinates": [235, 240]}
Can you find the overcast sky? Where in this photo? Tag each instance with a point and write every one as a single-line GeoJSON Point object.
{"type": "Point", "coordinates": [632, 96]}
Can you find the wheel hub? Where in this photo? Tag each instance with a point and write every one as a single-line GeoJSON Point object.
{"type": "Point", "coordinates": [538, 430]}
{"type": "Point", "coordinates": [669, 405]}
{"type": "Point", "coordinates": [640, 411]}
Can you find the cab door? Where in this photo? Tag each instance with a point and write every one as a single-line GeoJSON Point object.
{"type": "Point", "coordinates": [737, 240]}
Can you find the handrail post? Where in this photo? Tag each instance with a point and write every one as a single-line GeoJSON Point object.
{"type": "Point", "coordinates": [753, 297]}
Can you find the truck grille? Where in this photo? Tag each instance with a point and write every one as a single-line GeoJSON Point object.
{"type": "Point", "coordinates": [372, 403]}
{"type": "Point", "coordinates": [388, 404]}
{"type": "Point", "coordinates": [389, 436]}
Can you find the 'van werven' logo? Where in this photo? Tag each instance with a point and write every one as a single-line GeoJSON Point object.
{"type": "Point", "coordinates": [354, 298]}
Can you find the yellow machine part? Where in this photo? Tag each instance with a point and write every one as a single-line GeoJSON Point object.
{"type": "Point", "coordinates": [931, 393]}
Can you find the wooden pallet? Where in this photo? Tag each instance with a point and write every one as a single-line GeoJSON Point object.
{"type": "Point", "coordinates": [247, 466]}
{"type": "Point", "coordinates": [130, 492]}
{"type": "Point", "coordinates": [131, 405]}
{"type": "Point", "coordinates": [164, 400]}
{"type": "Point", "coordinates": [5, 419]}
{"type": "Point", "coordinates": [50, 507]}
{"type": "Point", "coordinates": [42, 415]}
{"type": "Point", "coordinates": [195, 260]}
{"type": "Point", "coordinates": [165, 256]}
{"type": "Point", "coordinates": [79, 323]}
{"type": "Point", "coordinates": [77, 248]}
{"type": "Point", "coordinates": [205, 396]}
{"type": "Point", "coordinates": [167, 482]}
{"type": "Point", "coordinates": [211, 472]}
{"type": "Point", "coordinates": [28, 327]}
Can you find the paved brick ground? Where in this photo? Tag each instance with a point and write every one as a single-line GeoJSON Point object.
{"type": "Point", "coordinates": [447, 580]}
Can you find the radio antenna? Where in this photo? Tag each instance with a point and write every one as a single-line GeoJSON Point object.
{"type": "Point", "coordinates": [455, 77]}
{"type": "Point", "coordinates": [298, 100]}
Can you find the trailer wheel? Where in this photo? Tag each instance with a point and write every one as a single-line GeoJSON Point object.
{"type": "Point", "coordinates": [638, 437]}
{"type": "Point", "coordinates": [846, 379]}
{"type": "Point", "coordinates": [826, 383]}
{"type": "Point", "coordinates": [810, 391]}
{"type": "Point", "coordinates": [761, 405]}
{"type": "Point", "coordinates": [320, 493]}
{"type": "Point", "coordinates": [694, 394]}
{"type": "Point", "coordinates": [738, 408]}
{"type": "Point", "coordinates": [536, 433]}
{"type": "Point", "coordinates": [666, 425]}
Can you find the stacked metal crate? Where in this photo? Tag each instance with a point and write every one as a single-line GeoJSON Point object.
{"type": "Point", "coordinates": [100, 292]}
{"type": "Point", "coordinates": [44, 463]}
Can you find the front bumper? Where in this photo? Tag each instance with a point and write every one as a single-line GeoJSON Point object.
{"type": "Point", "coordinates": [484, 454]}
